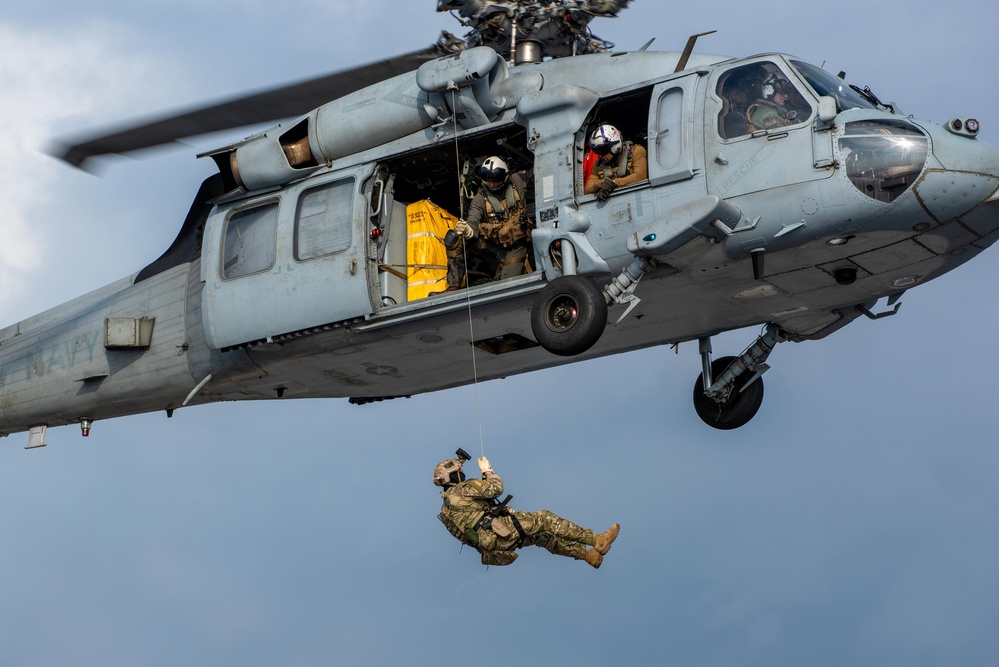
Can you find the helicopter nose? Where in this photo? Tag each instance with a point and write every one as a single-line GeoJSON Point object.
{"type": "Point", "coordinates": [959, 152]}
{"type": "Point", "coordinates": [967, 188]}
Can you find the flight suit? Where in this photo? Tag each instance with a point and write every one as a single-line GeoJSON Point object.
{"type": "Point", "coordinates": [765, 115]}
{"type": "Point", "coordinates": [466, 507]}
{"type": "Point", "coordinates": [499, 220]}
{"type": "Point", "coordinates": [502, 245]}
{"type": "Point", "coordinates": [637, 169]}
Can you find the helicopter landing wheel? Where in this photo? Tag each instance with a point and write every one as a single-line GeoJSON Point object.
{"type": "Point", "coordinates": [569, 315]}
{"type": "Point", "coordinates": [740, 407]}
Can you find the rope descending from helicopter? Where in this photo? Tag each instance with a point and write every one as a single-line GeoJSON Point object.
{"type": "Point", "coordinates": [462, 198]}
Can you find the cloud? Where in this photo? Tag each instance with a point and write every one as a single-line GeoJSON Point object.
{"type": "Point", "coordinates": [54, 83]}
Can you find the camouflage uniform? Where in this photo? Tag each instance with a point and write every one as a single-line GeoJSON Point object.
{"type": "Point", "coordinates": [466, 508]}
{"type": "Point", "coordinates": [636, 172]}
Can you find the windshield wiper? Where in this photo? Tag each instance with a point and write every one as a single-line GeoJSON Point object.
{"type": "Point", "coordinates": [869, 95]}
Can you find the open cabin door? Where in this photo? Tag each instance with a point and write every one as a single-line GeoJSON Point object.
{"type": "Point", "coordinates": [286, 261]}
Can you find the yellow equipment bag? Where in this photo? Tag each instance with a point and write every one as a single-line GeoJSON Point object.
{"type": "Point", "coordinates": [426, 257]}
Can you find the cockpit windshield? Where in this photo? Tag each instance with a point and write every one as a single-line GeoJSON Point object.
{"type": "Point", "coordinates": [824, 83]}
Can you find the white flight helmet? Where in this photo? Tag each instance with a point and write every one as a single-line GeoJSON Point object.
{"type": "Point", "coordinates": [606, 140]}
{"type": "Point", "coordinates": [494, 170]}
{"type": "Point", "coordinates": [774, 84]}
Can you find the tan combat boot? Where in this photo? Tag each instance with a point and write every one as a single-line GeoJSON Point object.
{"type": "Point", "coordinates": [593, 557]}
{"type": "Point", "coordinates": [603, 541]}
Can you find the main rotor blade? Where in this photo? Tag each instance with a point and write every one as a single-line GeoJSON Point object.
{"type": "Point", "coordinates": [269, 105]}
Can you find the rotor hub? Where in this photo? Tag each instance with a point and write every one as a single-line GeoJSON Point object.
{"type": "Point", "coordinates": [552, 29]}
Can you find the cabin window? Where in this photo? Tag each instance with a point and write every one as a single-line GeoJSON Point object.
{"type": "Point", "coordinates": [323, 220]}
{"type": "Point", "coordinates": [250, 243]}
{"type": "Point", "coordinates": [629, 114]}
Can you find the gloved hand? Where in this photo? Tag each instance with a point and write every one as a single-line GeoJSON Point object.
{"type": "Point", "coordinates": [464, 229]}
{"type": "Point", "coordinates": [606, 187]}
{"type": "Point", "coordinates": [484, 465]}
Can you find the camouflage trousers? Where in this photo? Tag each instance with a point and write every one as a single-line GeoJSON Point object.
{"type": "Point", "coordinates": [542, 529]}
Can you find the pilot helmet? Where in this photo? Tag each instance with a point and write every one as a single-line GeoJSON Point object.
{"type": "Point", "coordinates": [774, 84]}
{"type": "Point", "coordinates": [494, 170]}
{"type": "Point", "coordinates": [445, 471]}
{"type": "Point", "coordinates": [606, 140]}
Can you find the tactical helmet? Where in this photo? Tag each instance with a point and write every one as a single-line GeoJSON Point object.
{"type": "Point", "coordinates": [606, 140]}
{"type": "Point", "coordinates": [494, 170]}
{"type": "Point", "coordinates": [444, 470]}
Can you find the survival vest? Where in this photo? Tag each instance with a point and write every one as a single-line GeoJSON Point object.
{"type": "Point", "coordinates": [782, 121]}
{"type": "Point", "coordinates": [506, 221]}
{"type": "Point", "coordinates": [624, 166]}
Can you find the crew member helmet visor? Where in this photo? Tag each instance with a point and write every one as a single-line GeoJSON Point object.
{"type": "Point", "coordinates": [606, 140]}
{"type": "Point", "coordinates": [493, 170]}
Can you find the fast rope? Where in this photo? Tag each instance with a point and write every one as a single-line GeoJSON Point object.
{"type": "Point", "coordinates": [468, 298]}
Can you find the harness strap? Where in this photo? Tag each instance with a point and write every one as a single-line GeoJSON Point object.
{"type": "Point", "coordinates": [484, 522]}
{"type": "Point", "coordinates": [622, 166]}
{"type": "Point", "coordinates": [622, 169]}
{"type": "Point", "coordinates": [520, 529]}
{"type": "Point", "coordinates": [493, 203]}
{"type": "Point", "coordinates": [397, 274]}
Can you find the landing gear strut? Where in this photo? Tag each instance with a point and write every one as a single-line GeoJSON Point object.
{"type": "Point", "coordinates": [729, 391]}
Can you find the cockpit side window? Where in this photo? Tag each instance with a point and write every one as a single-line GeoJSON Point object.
{"type": "Point", "coordinates": [758, 97]}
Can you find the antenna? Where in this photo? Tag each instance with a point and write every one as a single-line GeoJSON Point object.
{"type": "Point", "coordinates": [689, 49]}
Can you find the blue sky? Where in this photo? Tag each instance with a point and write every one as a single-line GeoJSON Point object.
{"type": "Point", "coordinates": [853, 522]}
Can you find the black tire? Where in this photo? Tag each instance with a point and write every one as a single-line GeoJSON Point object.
{"type": "Point", "coordinates": [741, 406]}
{"type": "Point", "coordinates": [569, 315]}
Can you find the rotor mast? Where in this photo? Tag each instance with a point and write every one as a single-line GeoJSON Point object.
{"type": "Point", "coordinates": [528, 31]}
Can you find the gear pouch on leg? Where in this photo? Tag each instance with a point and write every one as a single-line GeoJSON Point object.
{"type": "Point", "coordinates": [498, 557]}
{"type": "Point", "coordinates": [503, 527]}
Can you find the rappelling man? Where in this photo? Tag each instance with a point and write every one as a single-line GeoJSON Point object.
{"type": "Point", "coordinates": [474, 515]}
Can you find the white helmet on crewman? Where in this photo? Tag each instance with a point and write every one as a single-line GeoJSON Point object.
{"type": "Point", "coordinates": [606, 140]}
{"type": "Point", "coordinates": [494, 170]}
{"type": "Point", "coordinates": [774, 84]}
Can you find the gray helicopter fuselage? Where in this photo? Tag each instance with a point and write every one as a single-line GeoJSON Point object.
{"type": "Point", "coordinates": [295, 285]}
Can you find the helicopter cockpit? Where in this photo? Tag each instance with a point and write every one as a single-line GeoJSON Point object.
{"type": "Point", "coordinates": [882, 156]}
{"type": "Point", "coordinates": [757, 97]}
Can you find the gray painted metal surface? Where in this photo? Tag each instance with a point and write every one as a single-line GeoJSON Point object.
{"type": "Point", "coordinates": [833, 229]}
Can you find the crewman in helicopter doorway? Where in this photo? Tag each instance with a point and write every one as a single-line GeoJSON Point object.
{"type": "Point", "coordinates": [474, 515]}
{"type": "Point", "coordinates": [497, 222]}
{"type": "Point", "coordinates": [619, 163]}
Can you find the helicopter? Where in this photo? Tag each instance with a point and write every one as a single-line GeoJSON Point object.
{"type": "Point", "coordinates": [799, 229]}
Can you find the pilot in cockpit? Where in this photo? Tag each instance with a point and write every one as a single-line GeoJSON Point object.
{"type": "Point", "coordinates": [779, 105]}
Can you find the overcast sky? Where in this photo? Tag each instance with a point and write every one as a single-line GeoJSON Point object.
{"type": "Point", "coordinates": [853, 522]}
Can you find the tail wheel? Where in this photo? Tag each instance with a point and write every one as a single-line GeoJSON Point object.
{"type": "Point", "coordinates": [740, 407]}
{"type": "Point", "coordinates": [569, 315]}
